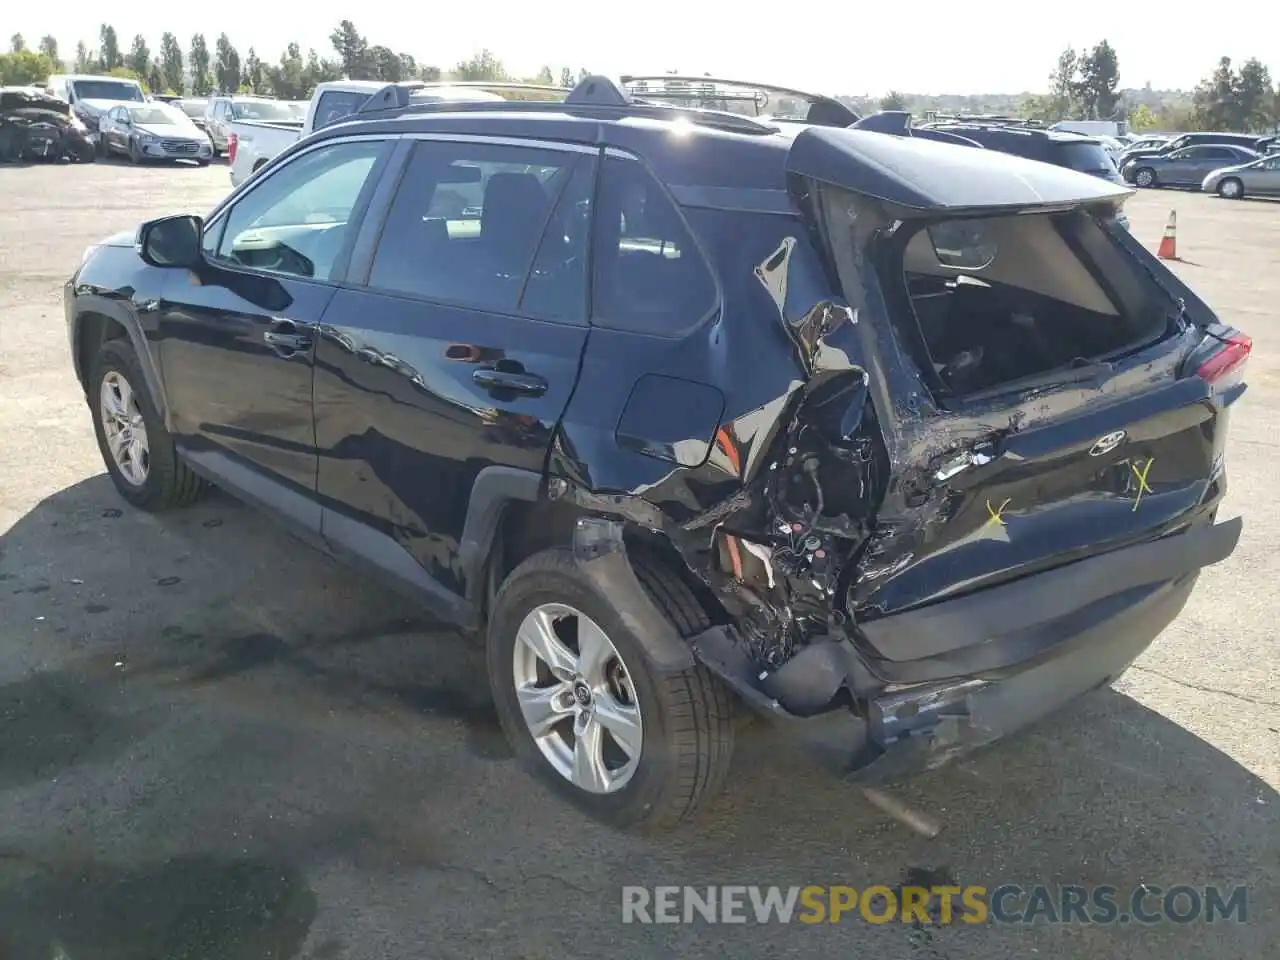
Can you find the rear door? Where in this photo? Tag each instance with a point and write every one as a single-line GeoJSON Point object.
{"type": "Point", "coordinates": [991, 484]}
{"type": "Point", "coordinates": [454, 349]}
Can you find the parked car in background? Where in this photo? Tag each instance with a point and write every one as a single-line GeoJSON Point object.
{"type": "Point", "coordinates": [154, 131]}
{"type": "Point", "coordinates": [1255, 178]}
{"type": "Point", "coordinates": [37, 126]}
{"type": "Point", "coordinates": [222, 114]}
{"type": "Point", "coordinates": [1091, 128]}
{"type": "Point", "coordinates": [1186, 167]}
{"type": "Point", "coordinates": [255, 144]}
{"type": "Point", "coordinates": [1071, 150]}
{"type": "Point", "coordinates": [167, 97]}
{"type": "Point", "coordinates": [195, 108]}
{"type": "Point", "coordinates": [1146, 143]}
{"type": "Point", "coordinates": [92, 96]}
{"type": "Point", "coordinates": [1247, 140]}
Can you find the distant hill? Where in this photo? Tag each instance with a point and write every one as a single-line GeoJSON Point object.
{"type": "Point", "coordinates": [1013, 103]}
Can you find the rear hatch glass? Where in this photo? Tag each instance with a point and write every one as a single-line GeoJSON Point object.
{"type": "Point", "coordinates": [1086, 157]}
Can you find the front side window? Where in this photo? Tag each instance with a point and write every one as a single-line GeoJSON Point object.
{"type": "Point", "coordinates": [467, 220]}
{"type": "Point", "coordinates": [649, 276]}
{"type": "Point", "coordinates": [297, 220]}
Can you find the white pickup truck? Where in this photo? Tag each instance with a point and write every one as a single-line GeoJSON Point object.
{"type": "Point", "coordinates": [252, 144]}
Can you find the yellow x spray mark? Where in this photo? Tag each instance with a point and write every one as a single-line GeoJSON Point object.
{"type": "Point", "coordinates": [997, 513]}
{"type": "Point", "coordinates": [1141, 474]}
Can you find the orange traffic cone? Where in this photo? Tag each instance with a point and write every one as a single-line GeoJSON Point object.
{"type": "Point", "coordinates": [1169, 242]}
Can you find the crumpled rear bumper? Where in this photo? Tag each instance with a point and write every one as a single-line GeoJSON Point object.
{"type": "Point", "coordinates": [908, 728]}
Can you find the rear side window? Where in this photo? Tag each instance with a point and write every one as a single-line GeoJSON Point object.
{"type": "Point", "coordinates": [335, 105]}
{"type": "Point", "coordinates": [649, 275]}
{"type": "Point", "coordinates": [467, 222]}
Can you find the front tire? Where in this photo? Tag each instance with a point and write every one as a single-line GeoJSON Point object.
{"type": "Point", "coordinates": [136, 448]}
{"type": "Point", "coordinates": [1146, 177]}
{"type": "Point", "coordinates": [631, 747]}
{"type": "Point", "coordinates": [1231, 189]}
{"type": "Point", "coordinates": [134, 156]}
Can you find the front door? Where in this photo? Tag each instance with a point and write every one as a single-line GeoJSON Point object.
{"type": "Point", "coordinates": [237, 336]}
{"type": "Point", "coordinates": [454, 347]}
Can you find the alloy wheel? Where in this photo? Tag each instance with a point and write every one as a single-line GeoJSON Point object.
{"type": "Point", "coordinates": [577, 698]}
{"type": "Point", "coordinates": [1144, 178]}
{"type": "Point", "coordinates": [124, 428]}
{"type": "Point", "coordinates": [1230, 189]}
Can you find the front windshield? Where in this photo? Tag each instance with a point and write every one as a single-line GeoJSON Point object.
{"type": "Point", "coordinates": [158, 113]}
{"type": "Point", "coordinates": [270, 111]}
{"type": "Point", "coordinates": [108, 90]}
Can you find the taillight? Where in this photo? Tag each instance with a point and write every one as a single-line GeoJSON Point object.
{"type": "Point", "coordinates": [233, 142]}
{"type": "Point", "coordinates": [1235, 351]}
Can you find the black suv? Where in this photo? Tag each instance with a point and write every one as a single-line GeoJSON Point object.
{"type": "Point", "coordinates": [900, 444]}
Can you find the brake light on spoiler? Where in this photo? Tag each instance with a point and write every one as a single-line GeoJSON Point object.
{"type": "Point", "coordinates": [1229, 358]}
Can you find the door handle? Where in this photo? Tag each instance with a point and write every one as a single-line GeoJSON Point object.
{"type": "Point", "coordinates": [285, 336]}
{"type": "Point", "coordinates": [528, 384]}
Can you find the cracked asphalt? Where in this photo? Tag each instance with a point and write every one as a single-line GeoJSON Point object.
{"type": "Point", "coordinates": [215, 743]}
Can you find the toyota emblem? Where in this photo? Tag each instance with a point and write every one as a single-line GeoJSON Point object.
{"type": "Point", "coordinates": [1106, 443]}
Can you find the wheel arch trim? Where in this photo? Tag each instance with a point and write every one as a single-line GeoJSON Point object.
{"type": "Point", "coordinates": [87, 304]}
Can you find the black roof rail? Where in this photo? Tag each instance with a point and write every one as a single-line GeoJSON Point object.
{"type": "Point", "coordinates": [596, 96]}
{"type": "Point", "coordinates": [823, 110]}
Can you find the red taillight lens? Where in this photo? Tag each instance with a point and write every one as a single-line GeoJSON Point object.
{"type": "Point", "coordinates": [233, 142]}
{"type": "Point", "coordinates": [1235, 351]}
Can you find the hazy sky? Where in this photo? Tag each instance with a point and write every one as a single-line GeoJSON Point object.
{"type": "Point", "coordinates": [854, 48]}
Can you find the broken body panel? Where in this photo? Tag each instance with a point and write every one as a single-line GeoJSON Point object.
{"type": "Point", "coordinates": [897, 561]}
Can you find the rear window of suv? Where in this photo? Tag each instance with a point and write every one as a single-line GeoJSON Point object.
{"type": "Point", "coordinates": [1084, 156]}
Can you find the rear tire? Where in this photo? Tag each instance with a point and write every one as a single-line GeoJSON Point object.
{"type": "Point", "coordinates": [1231, 189]}
{"type": "Point", "coordinates": [164, 481]}
{"type": "Point", "coordinates": [1145, 177]}
{"type": "Point", "coordinates": [685, 719]}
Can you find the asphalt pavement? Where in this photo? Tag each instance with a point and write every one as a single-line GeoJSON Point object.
{"type": "Point", "coordinates": [217, 743]}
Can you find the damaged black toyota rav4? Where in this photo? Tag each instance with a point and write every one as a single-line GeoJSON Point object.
{"type": "Point", "coordinates": [898, 443]}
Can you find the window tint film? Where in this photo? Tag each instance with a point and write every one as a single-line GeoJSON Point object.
{"type": "Point", "coordinates": [296, 221]}
{"type": "Point", "coordinates": [1086, 157]}
{"type": "Point", "coordinates": [466, 222]}
{"type": "Point", "coordinates": [649, 274]}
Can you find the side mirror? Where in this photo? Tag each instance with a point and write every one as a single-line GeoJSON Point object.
{"type": "Point", "coordinates": [171, 241]}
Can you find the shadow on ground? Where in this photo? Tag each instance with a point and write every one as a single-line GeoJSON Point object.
{"type": "Point", "coordinates": [370, 720]}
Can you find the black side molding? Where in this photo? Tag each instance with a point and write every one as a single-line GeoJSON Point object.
{"type": "Point", "coordinates": [983, 616]}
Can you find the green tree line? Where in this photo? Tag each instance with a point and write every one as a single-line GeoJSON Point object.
{"type": "Point", "coordinates": [200, 70]}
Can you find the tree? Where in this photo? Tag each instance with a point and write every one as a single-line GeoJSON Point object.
{"type": "Point", "coordinates": [483, 66]}
{"type": "Point", "coordinates": [201, 80]}
{"type": "Point", "coordinates": [227, 67]}
{"type": "Point", "coordinates": [255, 73]}
{"type": "Point", "coordinates": [171, 66]}
{"type": "Point", "coordinates": [431, 74]}
{"type": "Point", "coordinates": [353, 51]}
{"type": "Point", "coordinates": [545, 77]}
{"type": "Point", "coordinates": [1217, 100]}
{"type": "Point", "coordinates": [318, 71]}
{"type": "Point", "coordinates": [386, 64]}
{"type": "Point", "coordinates": [139, 56]}
{"type": "Point", "coordinates": [1255, 96]}
{"type": "Point", "coordinates": [82, 58]}
{"type": "Point", "coordinates": [566, 77]}
{"type": "Point", "coordinates": [1142, 118]}
{"type": "Point", "coordinates": [893, 100]}
{"type": "Point", "coordinates": [1063, 83]}
{"type": "Point", "coordinates": [23, 67]}
{"type": "Point", "coordinates": [49, 47]}
{"type": "Point", "coordinates": [1099, 79]}
{"type": "Point", "coordinates": [155, 77]}
{"type": "Point", "coordinates": [287, 79]}
{"type": "Point", "coordinates": [17, 44]}
{"type": "Point", "coordinates": [109, 51]}
{"type": "Point", "coordinates": [408, 66]}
